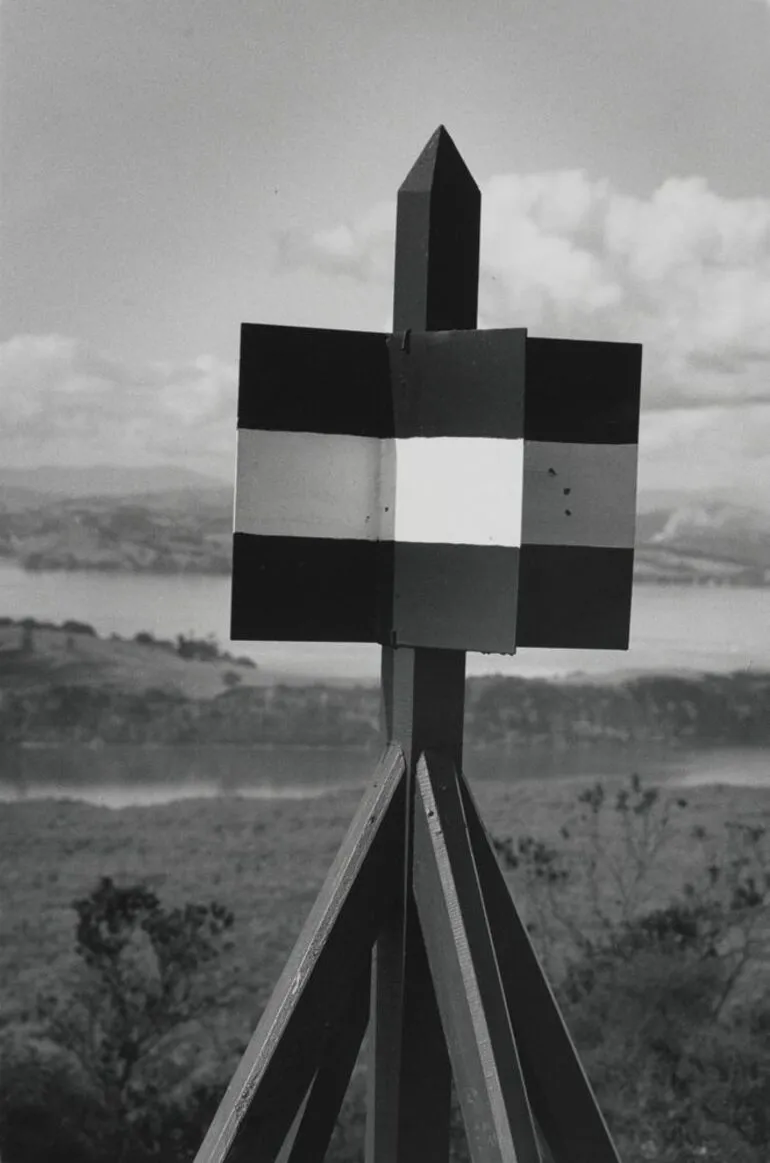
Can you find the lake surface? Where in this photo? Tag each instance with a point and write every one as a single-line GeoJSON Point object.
{"type": "Point", "coordinates": [130, 776]}
{"type": "Point", "coordinates": [672, 627]}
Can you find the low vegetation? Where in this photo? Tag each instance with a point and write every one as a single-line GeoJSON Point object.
{"type": "Point", "coordinates": [189, 530]}
{"type": "Point", "coordinates": [38, 656]}
{"type": "Point", "coordinates": [66, 684]}
{"type": "Point", "coordinates": [54, 698]}
{"type": "Point", "coordinates": [172, 532]}
{"type": "Point", "coordinates": [649, 910]}
{"type": "Point", "coordinates": [106, 1068]}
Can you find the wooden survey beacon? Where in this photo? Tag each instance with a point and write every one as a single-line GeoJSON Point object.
{"type": "Point", "coordinates": [437, 489]}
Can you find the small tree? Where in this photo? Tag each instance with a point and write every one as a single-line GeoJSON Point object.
{"type": "Point", "coordinates": [667, 1002]}
{"type": "Point", "coordinates": [128, 1039]}
{"type": "Point", "coordinates": [27, 637]}
{"type": "Point", "coordinates": [203, 649]}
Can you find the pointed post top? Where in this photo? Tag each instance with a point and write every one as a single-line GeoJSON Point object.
{"type": "Point", "coordinates": [437, 242]}
{"type": "Point", "coordinates": [440, 165]}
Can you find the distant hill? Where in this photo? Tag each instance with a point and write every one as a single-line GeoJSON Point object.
{"type": "Point", "coordinates": [64, 684]}
{"type": "Point", "coordinates": [104, 480]}
{"type": "Point", "coordinates": [711, 542]}
{"type": "Point", "coordinates": [169, 520]}
{"type": "Point", "coordinates": [42, 656]}
{"type": "Point", "coordinates": [658, 500]}
{"type": "Point", "coordinates": [179, 530]}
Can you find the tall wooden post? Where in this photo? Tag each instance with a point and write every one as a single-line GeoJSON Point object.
{"type": "Point", "coordinates": [423, 690]}
{"type": "Point", "coordinates": [332, 542]}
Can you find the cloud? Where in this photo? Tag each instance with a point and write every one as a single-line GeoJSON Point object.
{"type": "Point", "coordinates": [708, 450]}
{"type": "Point", "coordinates": [363, 251]}
{"type": "Point", "coordinates": [685, 271]}
{"type": "Point", "coordinates": [65, 402]}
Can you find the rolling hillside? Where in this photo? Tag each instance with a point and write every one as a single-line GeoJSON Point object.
{"type": "Point", "coordinates": [714, 542]}
{"type": "Point", "coordinates": [181, 530]}
{"type": "Point", "coordinates": [169, 521]}
{"type": "Point", "coordinates": [65, 684]}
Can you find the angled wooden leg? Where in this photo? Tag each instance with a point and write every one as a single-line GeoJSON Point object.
{"type": "Point", "coordinates": [491, 1090]}
{"type": "Point", "coordinates": [288, 1143]}
{"type": "Point", "coordinates": [314, 990]}
{"type": "Point", "coordinates": [312, 1131]}
{"type": "Point", "coordinates": [409, 1078]}
{"type": "Point", "coordinates": [561, 1095]}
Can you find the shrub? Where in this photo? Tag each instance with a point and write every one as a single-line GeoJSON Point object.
{"type": "Point", "coordinates": [111, 1068]}
{"type": "Point", "coordinates": [657, 997]}
{"type": "Point", "coordinates": [202, 649]}
{"type": "Point", "coordinates": [73, 627]}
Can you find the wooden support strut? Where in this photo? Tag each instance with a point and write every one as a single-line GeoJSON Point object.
{"type": "Point", "coordinates": [461, 955]}
{"type": "Point", "coordinates": [436, 288]}
{"type": "Point", "coordinates": [314, 1125]}
{"type": "Point", "coordinates": [313, 996]}
{"type": "Point", "coordinates": [561, 1096]}
{"type": "Point", "coordinates": [415, 931]}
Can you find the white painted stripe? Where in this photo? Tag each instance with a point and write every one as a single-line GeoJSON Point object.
{"type": "Point", "coordinates": [454, 490]}
{"type": "Point", "coordinates": [459, 490]}
{"type": "Point", "coordinates": [307, 484]}
{"type": "Point", "coordinates": [579, 494]}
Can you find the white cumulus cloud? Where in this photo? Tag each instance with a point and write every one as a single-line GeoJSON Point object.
{"type": "Point", "coordinates": [65, 402]}
{"type": "Point", "coordinates": [685, 271]}
{"type": "Point", "coordinates": [708, 450]}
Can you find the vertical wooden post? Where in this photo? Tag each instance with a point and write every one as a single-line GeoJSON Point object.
{"type": "Point", "coordinates": [423, 690]}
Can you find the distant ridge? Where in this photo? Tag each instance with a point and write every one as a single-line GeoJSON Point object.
{"type": "Point", "coordinates": [657, 500]}
{"type": "Point", "coordinates": [167, 519]}
{"type": "Point", "coordinates": [100, 480]}
{"type": "Point", "coordinates": [106, 480]}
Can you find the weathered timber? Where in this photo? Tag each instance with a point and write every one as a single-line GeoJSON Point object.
{"type": "Point", "coordinates": [461, 954]}
{"type": "Point", "coordinates": [313, 994]}
{"type": "Point", "coordinates": [559, 1091]}
{"type": "Point", "coordinates": [438, 489]}
{"type": "Point", "coordinates": [309, 1138]}
{"type": "Point", "coordinates": [409, 1075]}
{"type": "Point", "coordinates": [438, 222]}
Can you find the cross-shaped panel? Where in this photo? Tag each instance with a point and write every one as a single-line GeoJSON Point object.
{"type": "Point", "coordinates": [468, 490]}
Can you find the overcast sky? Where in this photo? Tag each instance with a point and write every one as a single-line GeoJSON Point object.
{"type": "Point", "coordinates": [171, 168]}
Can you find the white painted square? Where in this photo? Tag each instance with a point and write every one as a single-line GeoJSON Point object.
{"type": "Point", "coordinates": [579, 494]}
{"type": "Point", "coordinates": [456, 490]}
{"type": "Point", "coordinates": [453, 490]}
{"type": "Point", "coordinates": [307, 484]}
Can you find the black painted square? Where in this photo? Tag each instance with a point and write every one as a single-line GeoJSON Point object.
{"type": "Point", "coordinates": [582, 392]}
{"type": "Point", "coordinates": [458, 383]}
{"type": "Point", "coordinates": [304, 589]}
{"type": "Point", "coordinates": [574, 597]}
{"type": "Point", "coordinates": [308, 379]}
{"type": "Point", "coordinates": [455, 597]}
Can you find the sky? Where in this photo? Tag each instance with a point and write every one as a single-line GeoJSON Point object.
{"type": "Point", "coordinates": [172, 168]}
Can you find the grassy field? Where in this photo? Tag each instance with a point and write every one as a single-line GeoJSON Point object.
{"type": "Point", "coordinates": [266, 861]}
{"type": "Point", "coordinates": [62, 659]}
{"type": "Point", "coordinates": [57, 657]}
{"type": "Point", "coordinates": [67, 685]}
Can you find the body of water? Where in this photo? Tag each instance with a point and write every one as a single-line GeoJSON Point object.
{"type": "Point", "coordinates": [130, 776]}
{"type": "Point", "coordinates": [672, 627]}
